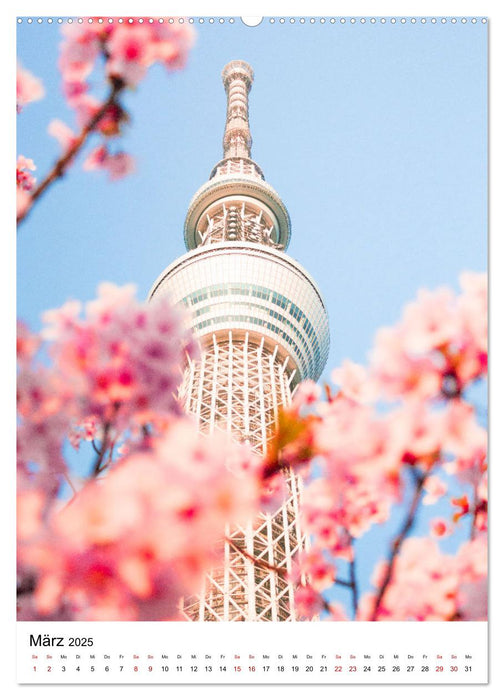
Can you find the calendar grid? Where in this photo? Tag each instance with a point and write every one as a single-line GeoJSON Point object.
{"type": "Point", "coordinates": [108, 652]}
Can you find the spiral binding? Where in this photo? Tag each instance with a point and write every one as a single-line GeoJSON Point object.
{"type": "Point", "coordinates": [270, 20]}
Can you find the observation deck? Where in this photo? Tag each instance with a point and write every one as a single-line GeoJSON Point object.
{"type": "Point", "coordinates": [248, 287]}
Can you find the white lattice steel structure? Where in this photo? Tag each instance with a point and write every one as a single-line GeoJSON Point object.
{"type": "Point", "coordinates": [263, 328]}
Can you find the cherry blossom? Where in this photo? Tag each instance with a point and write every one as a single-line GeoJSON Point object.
{"type": "Point", "coordinates": [25, 183]}
{"type": "Point", "coordinates": [24, 180]}
{"type": "Point", "coordinates": [307, 394]}
{"type": "Point", "coordinates": [398, 374]}
{"type": "Point", "coordinates": [472, 594]}
{"type": "Point", "coordinates": [308, 602]}
{"type": "Point", "coordinates": [62, 133]}
{"type": "Point", "coordinates": [117, 165]}
{"type": "Point", "coordinates": [314, 566]}
{"type": "Point", "coordinates": [434, 488]}
{"type": "Point", "coordinates": [423, 585]}
{"type": "Point", "coordinates": [438, 347]}
{"type": "Point", "coordinates": [430, 322]}
{"type": "Point", "coordinates": [116, 370]}
{"type": "Point", "coordinates": [439, 527]}
{"type": "Point", "coordinates": [27, 344]}
{"type": "Point", "coordinates": [371, 456]}
{"type": "Point", "coordinates": [79, 49]}
{"type": "Point", "coordinates": [44, 410]}
{"type": "Point", "coordinates": [360, 468]}
{"type": "Point", "coordinates": [28, 88]}
{"type": "Point", "coordinates": [429, 585]}
{"type": "Point", "coordinates": [131, 545]}
{"type": "Point", "coordinates": [354, 381]}
{"type": "Point", "coordinates": [132, 51]}
{"type": "Point", "coordinates": [466, 440]}
{"type": "Point", "coordinates": [125, 51]}
{"type": "Point", "coordinates": [124, 359]}
{"type": "Point", "coordinates": [116, 366]}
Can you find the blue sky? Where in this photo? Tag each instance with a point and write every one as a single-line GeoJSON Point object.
{"type": "Point", "coordinates": [373, 135]}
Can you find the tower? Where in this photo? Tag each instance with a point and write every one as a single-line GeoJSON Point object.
{"type": "Point", "coordinates": [263, 328]}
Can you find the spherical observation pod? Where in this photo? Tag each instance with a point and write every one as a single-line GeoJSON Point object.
{"type": "Point", "coordinates": [248, 288]}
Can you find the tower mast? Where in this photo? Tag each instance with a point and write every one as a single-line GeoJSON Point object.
{"type": "Point", "coordinates": [237, 77]}
{"type": "Point", "coordinates": [263, 328]}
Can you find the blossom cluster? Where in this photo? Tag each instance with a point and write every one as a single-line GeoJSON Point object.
{"type": "Point", "coordinates": [112, 371]}
{"type": "Point", "coordinates": [28, 88]}
{"type": "Point", "coordinates": [439, 347]}
{"type": "Point", "coordinates": [25, 182]}
{"type": "Point", "coordinates": [371, 456]}
{"type": "Point", "coordinates": [428, 585]}
{"type": "Point", "coordinates": [128, 50]}
{"type": "Point", "coordinates": [137, 539]}
{"type": "Point", "coordinates": [130, 546]}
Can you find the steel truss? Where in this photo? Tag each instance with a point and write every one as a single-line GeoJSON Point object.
{"type": "Point", "coordinates": [238, 385]}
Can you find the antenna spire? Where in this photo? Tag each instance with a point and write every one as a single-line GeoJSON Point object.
{"type": "Point", "coordinates": [237, 77]}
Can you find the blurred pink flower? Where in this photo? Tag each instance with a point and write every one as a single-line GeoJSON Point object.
{"type": "Point", "coordinates": [27, 343]}
{"type": "Point", "coordinates": [312, 566]}
{"type": "Point", "coordinates": [472, 594]}
{"type": "Point", "coordinates": [307, 394]}
{"type": "Point", "coordinates": [44, 410]}
{"type": "Point", "coordinates": [129, 49]}
{"type": "Point", "coordinates": [131, 52]}
{"type": "Point", "coordinates": [354, 381]}
{"type": "Point", "coordinates": [439, 346]}
{"type": "Point", "coordinates": [25, 183]}
{"type": "Point", "coordinates": [434, 488]}
{"type": "Point", "coordinates": [79, 50]}
{"type": "Point", "coordinates": [429, 585]}
{"type": "Point", "coordinates": [397, 374]}
{"type": "Point", "coordinates": [124, 360]}
{"type": "Point", "coordinates": [308, 602]}
{"type": "Point", "coordinates": [430, 322]}
{"type": "Point", "coordinates": [465, 440]}
{"type": "Point", "coordinates": [439, 528]}
{"type": "Point", "coordinates": [172, 43]}
{"type": "Point", "coordinates": [62, 133]}
{"type": "Point", "coordinates": [29, 510]}
{"type": "Point", "coordinates": [131, 545]}
{"type": "Point", "coordinates": [24, 180]}
{"type": "Point", "coordinates": [423, 586]}
{"type": "Point", "coordinates": [117, 165]}
{"type": "Point", "coordinates": [416, 433]}
{"type": "Point", "coordinates": [28, 88]}
{"type": "Point", "coordinates": [474, 310]}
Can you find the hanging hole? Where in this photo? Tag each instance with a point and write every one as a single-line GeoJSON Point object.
{"type": "Point", "coordinates": [251, 21]}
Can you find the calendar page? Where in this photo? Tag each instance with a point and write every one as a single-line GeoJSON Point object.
{"type": "Point", "coordinates": [252, 349]}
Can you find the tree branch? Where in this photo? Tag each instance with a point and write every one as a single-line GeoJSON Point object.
{"type": "Point", "coordinates": [420, 478]}
{"type": "Point", "coordinates": [97, 467]}
{"type": "Point", "coordinates": [353, 582]}
{"type": "Point", "coordinates": [64, 161]}
{"type": "Point", "coordinates": [258, 562]}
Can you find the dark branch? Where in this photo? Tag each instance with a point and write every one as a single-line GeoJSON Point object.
{"type": "Point", "coordinates": [398, 541]}
{"type": "Point", "coordinates": [62, 163]}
